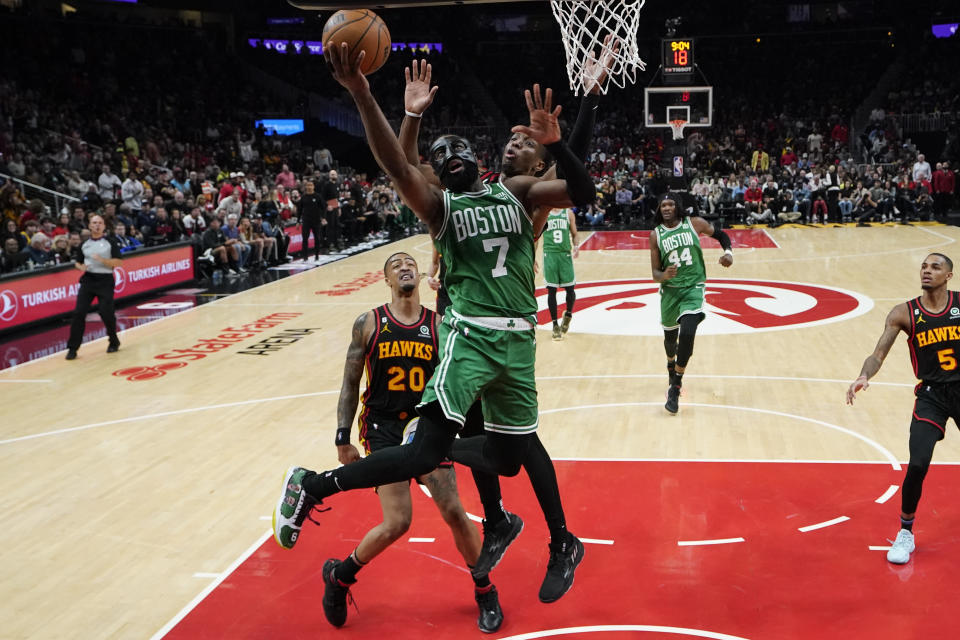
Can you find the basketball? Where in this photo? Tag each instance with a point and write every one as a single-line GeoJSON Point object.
{"type": "Point", "coordinates": [361, 29]}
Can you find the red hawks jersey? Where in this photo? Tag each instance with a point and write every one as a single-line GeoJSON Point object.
{"type": "Point", "coordinates": [400, 359]}
{"type": "Point", "coordinates": [935, 341]}
{"type": "Point", "coordinates": [488, 177]}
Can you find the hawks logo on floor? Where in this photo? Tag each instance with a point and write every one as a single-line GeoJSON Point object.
{"type": "Point", "coordinates": [632, 307]}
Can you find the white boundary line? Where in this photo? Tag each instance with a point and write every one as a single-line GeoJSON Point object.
{"type": "Point", "coordinates": [162, 415]}
{"type": "Point", "coordinates": [596, 541]}
{"type": "Point", "coordinates": [693, 543]}
{"type": "Point", "coordinates": [889, 493]}
{"type": "Point", "coordinates": [25, 381]}
{"type": "Point", "coordinates": [878, 548]}
{"type": "Point", "coordinates": [725, 377]}
{"type": "Point", "coordinates": [680, 631]}
{"type": "Point", "coordinates": [165, 629]}
{"type": "Point", "coordinates": [772, 239]}
{"type": "Point", "coordinates": [821, 525]}
{"type": "Point", "coordinates": [421, 540]}
{"type": "Point", "coordinates": [876, 445]}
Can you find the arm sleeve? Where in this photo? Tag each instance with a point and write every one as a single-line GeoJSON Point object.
{"type": "Point", "coordinates": [579, 184]}
{"type": "Point", "coordinates": [582, 133]}
{"type": "Point", "coordinates": [720, 236]}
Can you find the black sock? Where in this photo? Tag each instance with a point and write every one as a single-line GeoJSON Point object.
{"type": "Point", "coordinates": [320, 485]}
{"type": "Point", "coordinates": [671, 368]}
{"type": "Point", "coordinates": [347, 571]}
{"type": "Point", "coordinates": [907, 524]}
{"type": "Point", "coordinates": [676, 379]}
{"type": "Point", "coordinates": [482, 583]}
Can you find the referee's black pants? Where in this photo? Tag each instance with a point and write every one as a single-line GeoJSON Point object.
{"type": "Point", "coordinates": [310, 224]}
{"type": "Point", "coordinates": [99, 286]}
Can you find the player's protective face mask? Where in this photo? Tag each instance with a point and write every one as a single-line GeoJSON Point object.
{"type": "Point", "coordinates": [453, 161]}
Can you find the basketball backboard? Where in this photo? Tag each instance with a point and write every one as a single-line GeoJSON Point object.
{"type": "Point", "coordinates": [663, 104]}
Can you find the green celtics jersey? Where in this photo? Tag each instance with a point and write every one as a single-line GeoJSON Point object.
{"type": "Point", "coordinates": [487, 246]}
{"type": "Point", "coordinates": [680, 246]}
{"type": "Point", "coordinates": [556, 233]}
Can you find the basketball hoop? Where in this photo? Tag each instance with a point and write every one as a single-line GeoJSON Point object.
{"type": "Point", "coordinates": [583, 26]}
{"type": "Point", "coordinates": [677, 126]}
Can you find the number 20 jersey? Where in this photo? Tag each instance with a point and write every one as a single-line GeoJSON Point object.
{"type": "Point", "coordinates": [935, 341]}
{"type": "Point", "coordinates": [400, 359]}
{"type": "Point", "coordinates": [486, 241]}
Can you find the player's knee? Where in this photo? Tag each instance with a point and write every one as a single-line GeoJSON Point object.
{"type": "Point", "coordinates": [509, 468]}
{"type": "Point", "coordinates": [395, 527]}
{"type": "Point", "coordinates": [917, 469]}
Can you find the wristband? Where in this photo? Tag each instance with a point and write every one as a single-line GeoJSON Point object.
{"type": "Point", "coordinates": [728, 252]}
{"type": "Point", "coordinates": [412, 114]}
{"type": "Point", "coordinates": [343, 436]}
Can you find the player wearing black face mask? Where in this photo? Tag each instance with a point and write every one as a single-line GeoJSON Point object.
{"type": "Point", "coordinates": [454, 163]}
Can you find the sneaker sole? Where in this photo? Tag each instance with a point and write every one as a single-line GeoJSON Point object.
{"type": "Point", "coordinates": [276, 509]}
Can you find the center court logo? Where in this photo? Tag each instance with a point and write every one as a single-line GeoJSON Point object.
{"type": "Point", "coordinates": [632, 307]}
{"type": "Point", "coordinates": [8, 305]}
{"type": "Point", "coordinates": [119, 279]}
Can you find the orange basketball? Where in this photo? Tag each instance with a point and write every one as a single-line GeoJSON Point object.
{"type": "Point", "coordinates": [361, 29]}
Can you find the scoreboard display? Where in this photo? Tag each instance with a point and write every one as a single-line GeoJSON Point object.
{"type": "Point", "coordinates": [677, 59]}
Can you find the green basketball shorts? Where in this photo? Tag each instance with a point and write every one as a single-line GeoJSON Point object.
{"type": "Point", "coordinates": [558, 269]}
{"type": "Point", "coordinates": [679, 301]}
{"type": "Point", "coordinates": [497, 365]}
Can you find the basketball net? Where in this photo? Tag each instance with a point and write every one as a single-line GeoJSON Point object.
{"type": "Point", "coordinates": [677, 126]}
{"type": "Point", "coordinates": [583, 26]}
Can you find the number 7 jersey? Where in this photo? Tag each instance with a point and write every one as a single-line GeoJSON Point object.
{"type": "Point", "coordinates": [486, 241]}
{"type": "Point", "coordinates": [680, 246]}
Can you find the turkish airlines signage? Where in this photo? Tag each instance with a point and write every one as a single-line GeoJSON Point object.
{"type": "Point", "coordinates": [49, 293]}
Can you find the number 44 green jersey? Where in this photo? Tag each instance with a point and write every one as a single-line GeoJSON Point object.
{"type": "Point", "coordinates": [680, 246]}
{"type": "Point", "coordinates": [486, 241]}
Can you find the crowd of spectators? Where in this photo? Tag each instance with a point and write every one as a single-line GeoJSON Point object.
{"type": "Point", "coordinates": [166, 160]}
{"type": "Point", "coordinates": [164, 171]}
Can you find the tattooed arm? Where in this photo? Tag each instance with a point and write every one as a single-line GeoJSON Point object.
{"type": "Point", "coordinates": [350, 389]}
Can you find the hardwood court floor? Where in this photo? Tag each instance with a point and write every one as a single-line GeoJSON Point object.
{"type": "Point", "coordinates": [134, 481]}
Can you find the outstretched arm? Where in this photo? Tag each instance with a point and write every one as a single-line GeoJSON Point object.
{"type": "Point", "coordinates": [595, 73]}
{"type": "Point", "coordinates": [350, 387]}
{"type": "Point", "coordinates": [578, 187]}
{"type": "Point", "coordinates": [897, 320]}
{"type": "Point", "coordinates": [417, 97]}
{"type": "Point", "coordinates": [425, 199]}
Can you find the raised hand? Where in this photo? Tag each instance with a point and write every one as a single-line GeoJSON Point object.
{"type": "Point", "coordinates": [595, 71]}
{"type": "Point", "coordinates": [344, 70]}
{"type": "Point", "coordinates": [544, 125]}
{"type": "Point", "coordinates": [418, 94]}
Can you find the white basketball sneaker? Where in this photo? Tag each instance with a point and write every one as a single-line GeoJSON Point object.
{"type": "Point", "coordinates": [902, 547]}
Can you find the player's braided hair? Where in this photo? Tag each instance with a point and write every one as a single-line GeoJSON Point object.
{"type": "Point", "coordinates": [677, 201]}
